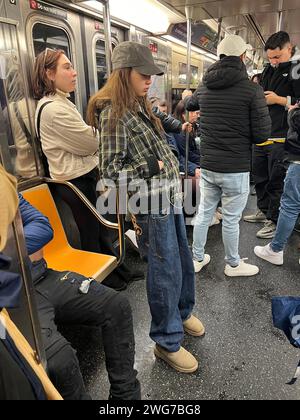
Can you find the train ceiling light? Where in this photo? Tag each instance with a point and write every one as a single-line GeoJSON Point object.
{"type": "Point", "coordinates": [150, 15]}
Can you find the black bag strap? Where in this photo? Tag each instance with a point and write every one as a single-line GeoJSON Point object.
{"type": "Point", "coordinates": [38, 129]}
{"type": "Point", "coordinates": [22, 124]}
{"type": "Point", "coordinates": [38, 122]}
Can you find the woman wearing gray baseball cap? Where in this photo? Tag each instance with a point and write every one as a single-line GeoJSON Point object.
{"type": "Point", "coordinates": [135, 153]}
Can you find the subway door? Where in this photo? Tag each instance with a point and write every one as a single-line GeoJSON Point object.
{"type": "Point", "coordinates": [43, 30]}
{"type": "Point", "coordinates": [94, 51]}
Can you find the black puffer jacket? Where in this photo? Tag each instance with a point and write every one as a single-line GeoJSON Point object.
{"type": "Point", "coordinates": [292, 144]}
{"type": "Point", "coordinates": [234, 114]}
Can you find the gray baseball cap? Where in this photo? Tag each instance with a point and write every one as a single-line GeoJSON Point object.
{"type": "Point", "coordinates": [138, 56]}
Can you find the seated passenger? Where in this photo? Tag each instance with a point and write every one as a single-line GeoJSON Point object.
{"type": "Point", "coordinates": [169, 123]}
{"type": "Point", "coordinates": [61, 299]}
{"type": "Point", "coordinates": [290, 199]}
{"type": "Point", "coordinates": [21, 377]}
{"type": "Point", "coordinates": [180, 139]}
{"type": "Point", "coordinates": [160, 104]}
{"type": "Point", "coordinates": [163, 106]}
{"type": "Point", "coordinates": [71, 149]}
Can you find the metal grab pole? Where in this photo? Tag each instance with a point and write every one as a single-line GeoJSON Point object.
{"type": "Point", "coordinates": [219, 30]}
{"type": "Point", "coordinates": [107, 31]}
{"type": "Point", "coordinates": [280, 16]}
{"type": "Point", "coordinates": [189, 14]}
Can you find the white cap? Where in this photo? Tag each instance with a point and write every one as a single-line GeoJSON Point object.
{"type": "Point", "coordinates": [233, 45]}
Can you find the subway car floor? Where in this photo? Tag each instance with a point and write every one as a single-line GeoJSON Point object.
{"type": "Point", "coordinates": [242, 356]}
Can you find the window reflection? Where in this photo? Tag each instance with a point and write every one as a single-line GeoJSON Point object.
{"type": "Point", "coordinates": [18, 147]}
{"type": "Point", "coordinates": [101, 63]}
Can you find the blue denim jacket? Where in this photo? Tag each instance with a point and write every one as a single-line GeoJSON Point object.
{"type": "Point", "coordinates": [37, 229]}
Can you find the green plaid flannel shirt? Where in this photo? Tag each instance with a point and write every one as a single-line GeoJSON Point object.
{"type": "Point", "coordinates": [129, 154]}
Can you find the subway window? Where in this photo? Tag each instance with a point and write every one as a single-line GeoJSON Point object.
{"type": "Point", "coordinates": [101, 63]}
{"type": "Point", "coordinates": [46, 36]}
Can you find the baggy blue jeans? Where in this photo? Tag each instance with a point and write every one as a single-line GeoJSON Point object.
{"type": "Point", "coordinates": [170, 276]}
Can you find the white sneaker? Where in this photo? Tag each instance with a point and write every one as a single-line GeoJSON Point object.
{"type": "Point", "coordinates": [130, 234]}
{"type": "Point", "coordinates": [266, 253]}
{"type": "Point", "coordinates": [198, 265]}
{"type": "Point", "coordinates": [242, 270]}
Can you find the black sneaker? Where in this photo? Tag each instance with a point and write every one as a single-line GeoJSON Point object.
{"type": "Point", "coordinates": [114, 281]}
{"type": "Point", "coordinates": [136, 275]}
{"type": "Point", "coordinates": [127, 274]}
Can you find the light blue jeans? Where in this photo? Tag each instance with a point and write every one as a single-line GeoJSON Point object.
{"type": "Point", "coordinates": [289, 208]}
{"type": "Point", "coordinates": [233, 190]}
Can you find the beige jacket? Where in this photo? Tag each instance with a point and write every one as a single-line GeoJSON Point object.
{"type": "Point", "coordinates": [68, 142]}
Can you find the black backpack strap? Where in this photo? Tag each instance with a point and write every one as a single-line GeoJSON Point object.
{"type": "Point", "coordinates": [22, 124]}
{"type": "Point", "coordinates": [38, 129]}
{"type": "Point", "coordinates": [38, 123]}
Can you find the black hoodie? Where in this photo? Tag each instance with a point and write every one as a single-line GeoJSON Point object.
{"type": "Point", "coordinates": [284, 80]}
{"type": "Point", "coordinates": [234, 115]}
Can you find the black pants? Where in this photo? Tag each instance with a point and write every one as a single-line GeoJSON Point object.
{"type": "Point", "coordinates": [14, 385]}
{"type": "Point", "coordinates": [269, 170]}
{"type": "Point", "coordinates": [60, 302]}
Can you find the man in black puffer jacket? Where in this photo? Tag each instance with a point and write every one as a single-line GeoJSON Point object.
{"type": "Point", "coordinates": [234, 115]}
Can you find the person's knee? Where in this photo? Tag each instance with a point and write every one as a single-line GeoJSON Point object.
{"type": "Point", "coordinates": [119, 309]}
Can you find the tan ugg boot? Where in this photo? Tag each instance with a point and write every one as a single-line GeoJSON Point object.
{"type": "Point", "coordinates": [194, 327]}
{"type": "Point", "coordinates": [181, 360]}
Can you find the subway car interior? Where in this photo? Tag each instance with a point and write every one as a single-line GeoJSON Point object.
{"type": "Point", "coordinates": [243, 354]}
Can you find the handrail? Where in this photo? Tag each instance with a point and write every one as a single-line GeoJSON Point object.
{"type": "Point", "coordinates": [117, 226]}
{"type": "Point", "coordinates": [39, 353]}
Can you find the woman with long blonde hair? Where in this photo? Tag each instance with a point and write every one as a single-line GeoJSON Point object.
{"type": "Point", "coordinates": [134, 153]}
